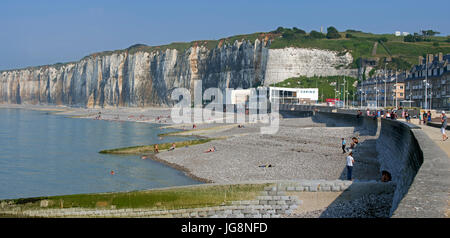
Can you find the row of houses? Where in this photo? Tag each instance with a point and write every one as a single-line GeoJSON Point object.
{"type": "Point", "coordinates": [426, 85]}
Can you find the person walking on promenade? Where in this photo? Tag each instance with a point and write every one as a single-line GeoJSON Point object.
{"type": "Point", "coordinates": [419, 116]}
{"type": "Point", "coordinates": [359, 114]}
{"type": "Point", "coordinates": [344, 143]}
{"type": "Point", "coordinates": [429, 116]}
{"type": "Point", "coordinates": [350, 162]}
{"type": "Point", "coordinates": [408, 119]}
{"type": "Point", "coordinates": [444, 126]}
{"type": "Point", "coordinates": [425, 116]}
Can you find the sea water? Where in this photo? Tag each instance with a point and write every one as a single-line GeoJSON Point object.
{"type": "Point", "coordinates": [42, 154]}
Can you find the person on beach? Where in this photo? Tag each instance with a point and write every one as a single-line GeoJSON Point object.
{"type": "Point", "coordinates": [212, 149]}
{"type": "Point", "coordinates": [444, 126]}
{"type": "Point", "coordinates": [344, 143]}
{"type": "Point", "coordinates": [350, 162]}
{"type": "Point", "coordinates": [173, 147]}
{"type": "Point", "coordinates": [155, 148]}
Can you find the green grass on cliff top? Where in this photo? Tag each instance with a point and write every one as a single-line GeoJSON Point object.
{"type": "Point", "coordinates": [405, 54]}
{"type": "Point", "coordinates": [161, 199]}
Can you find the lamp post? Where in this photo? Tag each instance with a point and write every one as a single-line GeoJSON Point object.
{"type": "Point", "coordinates": [431, 96]}
{"type": "Point", "coordinates": [396, 101]}
{"type": "Point", "coordinates": [426, 81]}
{"type": "Point", "coordinates": [376, 92]}
{"type": "Point", "coordinates": [361, 96]}
{"type": "Point", "coordinates": [385, 84]}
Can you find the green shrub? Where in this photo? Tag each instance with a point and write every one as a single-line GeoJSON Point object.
{"type": "Point", "coordinates": [332, 33]}
{"type": "Point", "coordinates": [316, 35]}
{"type": "Point", "coordinates": [383, 39]}
{"type": "Point", "coordinates": [298, 31]}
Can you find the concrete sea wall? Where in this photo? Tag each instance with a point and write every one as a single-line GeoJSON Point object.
{"type": "Point", "coordinates": [399, 153]}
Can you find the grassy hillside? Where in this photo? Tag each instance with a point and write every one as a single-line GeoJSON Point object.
{"type": "Point", "coordinates": [326, 85]}
{"type": "Point", "coordinates": [360, 44]}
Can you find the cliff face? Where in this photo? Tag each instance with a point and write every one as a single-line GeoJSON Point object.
{"type": "Point", "coordinates": [293, 62]}
{"type": "Point", "coordinates": [145, 79]}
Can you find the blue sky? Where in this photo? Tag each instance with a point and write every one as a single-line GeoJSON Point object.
{"type": "Point", "coordinates": [46, 32]}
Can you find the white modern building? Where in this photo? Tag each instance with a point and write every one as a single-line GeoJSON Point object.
{"type": "Point", "coordinates": [293, 95]}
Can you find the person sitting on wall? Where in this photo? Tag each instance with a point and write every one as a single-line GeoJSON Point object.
{"type": "Point", "coordinates": [385, 176]}
{"type": "Point", "coordinates": [353, 144]}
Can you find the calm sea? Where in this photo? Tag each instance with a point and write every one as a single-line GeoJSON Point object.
{"type": "Point", "coordinates": [42, 154]}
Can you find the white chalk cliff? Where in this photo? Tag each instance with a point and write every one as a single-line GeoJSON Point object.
{"type": "Point", "coordinates": [144, 78]}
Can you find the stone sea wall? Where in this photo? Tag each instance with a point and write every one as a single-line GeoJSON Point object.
{"type": "Point", "coordinates": [400, 154]}
{"type": "Point", "coordinates": [147, 78]}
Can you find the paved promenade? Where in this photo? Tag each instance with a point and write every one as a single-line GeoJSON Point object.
{"type": "Point", "coordinates": [435, 135]}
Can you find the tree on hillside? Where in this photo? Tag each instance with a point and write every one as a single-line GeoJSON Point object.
{"type": "Point", "coordinates": [288, 34]}
{"type": "Point", "coordinates": [278, 30]}
{"type": "Point", "coordinates": [316, 35]}
{"type": "Point", "coordinates": [414, 38]}
{"type": "Point", "coordinates": [332, 33]}
{"type": "Point", "coordinates": [427, 33]}
{"type": "Point", "coordinates": [298, 31]}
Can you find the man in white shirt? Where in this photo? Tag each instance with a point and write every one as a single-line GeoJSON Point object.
{"type": "Point", "coordinates": [350, 162]}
